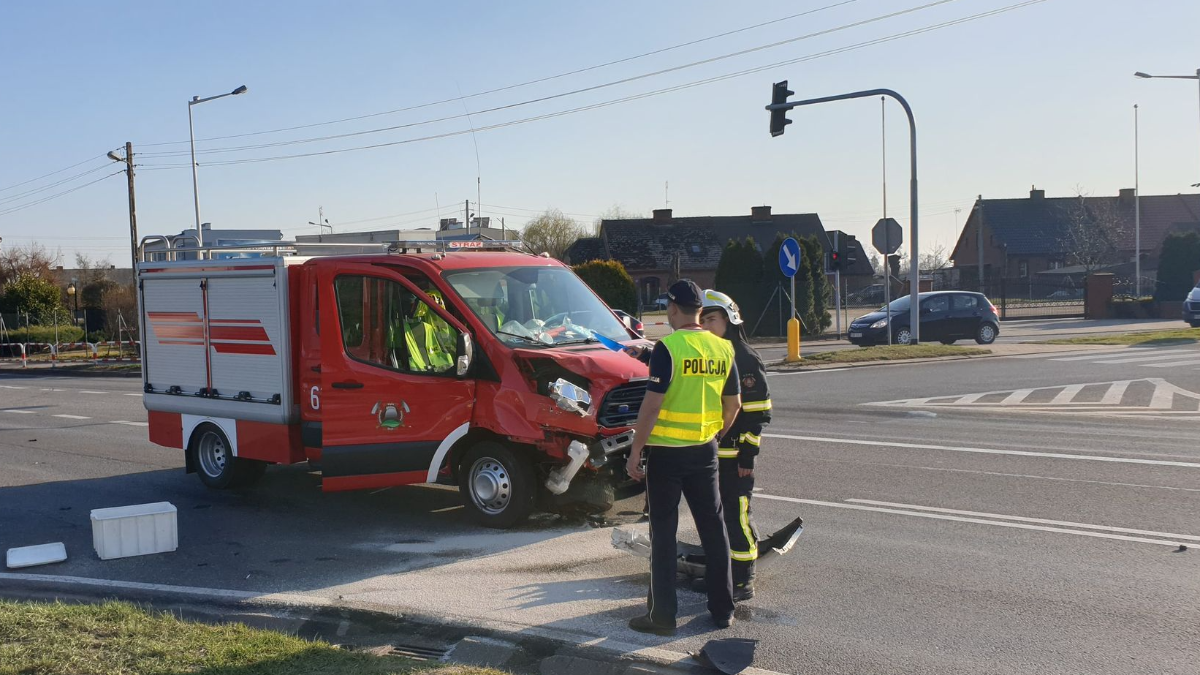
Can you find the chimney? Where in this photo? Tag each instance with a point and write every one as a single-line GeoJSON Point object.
{"type": "Point", "coordinates": [760, 214]}
{"type": "Point", "coordinates": [1035, 193]}
{"type": "Point", "coordinates": [1125, 196]}
{"type": "Point", "coordinates": [662, 216]}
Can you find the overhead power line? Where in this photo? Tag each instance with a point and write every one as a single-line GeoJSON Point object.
{"type": "Point", "coordinates": [657, 92]}
{"type": "Point", "coordinates": [550, 97]}
{"type": "Point", "coordinates": [43, 200]}
{"type": "Point", "coordinates": [28, 193]}
{"type": "Point", "coordinates": [519, 84]}
{"type": "Point", "coordinates": [52, 173]}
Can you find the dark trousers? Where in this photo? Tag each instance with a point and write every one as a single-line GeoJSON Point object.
{"type": "Point", "coordinates": [743, 534]}
{"type": "Point", "coordinates": [691, 472]}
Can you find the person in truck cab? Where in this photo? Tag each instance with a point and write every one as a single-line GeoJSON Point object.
{"type": "Point", "coordinates": [430, 336]}
{"type": "Point", "coordinates": [738, 448]}
{"type": "Point", "coordinates": [691, 399]}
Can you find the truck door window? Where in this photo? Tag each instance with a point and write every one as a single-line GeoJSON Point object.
{"type": "Point", "coordinates": [385, 325]}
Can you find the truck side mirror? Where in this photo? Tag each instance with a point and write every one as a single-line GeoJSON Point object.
{"type": "Point", "coordinates": [464, 355]}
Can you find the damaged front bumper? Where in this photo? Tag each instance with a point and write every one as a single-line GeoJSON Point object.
{"type": "Point", "coordinates": [594, 476]}
{"type": "Point", "coordinates": [691, 561]}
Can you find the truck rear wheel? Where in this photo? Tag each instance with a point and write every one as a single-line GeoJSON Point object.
{"type": "Point", "coordinates": [212, 455]}
{"type": "Point", "coordinates": [497, 484]}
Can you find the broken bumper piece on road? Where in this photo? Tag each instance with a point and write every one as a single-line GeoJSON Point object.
{"type": "Point", "coordinates": [691, 559]}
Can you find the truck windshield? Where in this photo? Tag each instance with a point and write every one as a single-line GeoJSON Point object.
{"type": "Point", "coordinates": [535, 305]}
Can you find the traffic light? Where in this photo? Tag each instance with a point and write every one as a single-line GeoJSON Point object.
{"type": "Point", "coordinates": [849, 251]}
{"type": "Point", "coordinates": [779, 95]}
{"type": "Point", "coordinates": [835, 259]}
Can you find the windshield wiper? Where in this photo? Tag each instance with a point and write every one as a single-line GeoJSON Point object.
{"type": "Point", "coordinates": [531, 340]}
{"type": "Point", "coordinates": [590, 338]}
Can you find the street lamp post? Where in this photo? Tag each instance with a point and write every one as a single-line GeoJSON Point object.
{"type": "Point", "coordinates": [1196, 77]}
{"type": "Point", "coordinates": [192, 134]}
{"type": "Point", "coordinates": [73, 293]}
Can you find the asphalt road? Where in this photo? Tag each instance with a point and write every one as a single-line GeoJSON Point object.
{"type": "Point", "coordinates": [1004, 515]}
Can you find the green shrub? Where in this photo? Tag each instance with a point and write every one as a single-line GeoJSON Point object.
{"type": "Point", "coordinates": [66, 333]}
{"type": "Point", "coordinates": [611, 282]}
{"type": "Point", "coordinates": [740, 276]}
{"type": "Point", "coordinates": [1179, 260]}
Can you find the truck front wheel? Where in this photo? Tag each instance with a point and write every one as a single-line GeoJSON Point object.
{"type": "Point", "coordinates": [497, 484]}
{"type": "Point", "coordinates": [212, 455]}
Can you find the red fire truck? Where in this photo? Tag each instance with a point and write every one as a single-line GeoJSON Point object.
{"type": "Point", "coordinates": [464, 363]}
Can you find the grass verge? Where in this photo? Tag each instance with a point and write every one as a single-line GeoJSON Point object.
{"type": "Point", "coordinates": [116, 637]}
{"type": "Point", "coordinates": [1161, 337]}
{"type": "Point", "coordinates": [887, 353]}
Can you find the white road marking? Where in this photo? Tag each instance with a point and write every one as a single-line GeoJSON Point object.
{"type": "Point", "coordinates": [1173, 364]}
{"type": "Point", "coordinates": [980, 521]}
{"type": "Point", "coordinates": [1016, 397]}
{"type": "Point", "coordinates": [1115, 393]}
{"type": "Point", "coordinates": [1088, 353]}
{"type": "Point", "coordinates": [1161, 401]}
{"type": "Point", "coordinates": [72, 417]}
{"type": "Point", "coordinates": [86, 391]}
{"type": "Point", "coordinates": [19, 412]}
{"type": "Point", "coordinates": [987, 451]}
{"type": "Point", "coordinates": [1169, 354]}
{"type": "Point", "coordinates": [9, 386]}
{"type": "Point", "coordinates": [773, 373]}
{"type": "Point", "coordinates": [138, 395]}
{"type": "Point", "coordinates": [1069, 393]}
{"type": "Point", "coordinates": [1023, 519]}
{"type": "Point", "coordinates": [131, 424]}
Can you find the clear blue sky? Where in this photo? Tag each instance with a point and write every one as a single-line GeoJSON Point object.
{"type": "Point", "coordinates": [1040, 95]}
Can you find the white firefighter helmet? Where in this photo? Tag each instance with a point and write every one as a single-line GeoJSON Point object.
{"type": "Point", "coordinates": [718, 299]}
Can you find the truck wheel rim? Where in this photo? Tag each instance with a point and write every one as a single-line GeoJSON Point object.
{"type": "Point", "coordinates": [491, 486]}
{"type": "Point", "coordinates": [987, 334]}
{"type": "Point", "coordinates": [212, 454]}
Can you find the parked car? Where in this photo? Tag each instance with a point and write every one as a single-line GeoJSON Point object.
{"type": "Point", "coordinates": [1067, 294]}
{"type": "Point", "coordinates": [866, 296]}
{"type": "Point", "coordinates": [661, 301]}
{"type": "Point", "coordinates": [631, 322]}
{"type": "Point", "coordinates": [946, 316]}
{"type": "Point", "coordinates": [1191, 308]}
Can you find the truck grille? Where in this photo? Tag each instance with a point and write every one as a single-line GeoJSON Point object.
{"type": "Point", "coordinates": [621, 405]}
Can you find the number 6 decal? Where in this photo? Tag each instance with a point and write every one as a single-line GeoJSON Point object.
{"type": "Point", "coordinates": [314, 398]}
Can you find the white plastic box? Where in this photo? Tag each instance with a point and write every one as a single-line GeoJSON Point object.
{"type": "Point", "coordinates": [141, 529]}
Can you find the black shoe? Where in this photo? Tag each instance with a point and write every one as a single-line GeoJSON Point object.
{"type": "Point", "coordinates": [743, 592]}
{"type": "Point", "coordinates": [644, 624]}
{"type": "Point", "coordinates": [723, 621]}
{"type": "Point", "coordinates": [699, 585]}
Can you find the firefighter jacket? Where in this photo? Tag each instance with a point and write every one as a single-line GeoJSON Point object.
{"type": "Point", "coordinates": [745, 437]}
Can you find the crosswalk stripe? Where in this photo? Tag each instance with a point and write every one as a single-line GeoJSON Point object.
{"type": "Point", "coordinates": [1067, 394]}
{"type": "Point", "coordinates": [1173, 364]}
{"type": "Point", "coordinates": [1173, 354]}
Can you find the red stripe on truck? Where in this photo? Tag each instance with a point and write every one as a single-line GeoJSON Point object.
{"type": "Point", "coordinates": [258, 348]}
{"type": "Point", "coordinates": [257, 333]}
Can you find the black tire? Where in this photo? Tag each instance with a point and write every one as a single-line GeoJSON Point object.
{"type": "Point", "coordinates": [948, 341]}
{"type": "Point", "coordinates": [986, 334]}
{"type": "Point", "coordinates": [1194, 324]}
{"type": "Point", "coordinates": [498, 486]}
{"type": "Point", "coordinates": [212, 456]}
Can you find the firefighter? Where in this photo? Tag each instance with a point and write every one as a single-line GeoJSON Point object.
{"type": "Point", "coordinates": [433, 335]}
{"type": "Point", "coordinates": [739, 448]}
{"type": "Point", "coordinates": [691, 398]}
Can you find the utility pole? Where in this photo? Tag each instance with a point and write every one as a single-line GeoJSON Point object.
{"type": "Point", "coordinates": [979, 238]}
{"type": "Point", "coordinates": [133, 235]}
{"type": "Point", "coordinates": [467, 216]}
{"type": "Point", "coordinates": [1137, 212]}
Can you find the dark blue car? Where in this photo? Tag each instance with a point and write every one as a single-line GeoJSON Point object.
{"type": "Point", "coordinates": [946, 316]}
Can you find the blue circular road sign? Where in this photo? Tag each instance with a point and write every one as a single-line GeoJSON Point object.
{"type": "Point", "coordinates": [789, 257]}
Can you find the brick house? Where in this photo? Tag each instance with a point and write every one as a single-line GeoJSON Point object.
{"type": "Point", "coordinates": [656, 250]}
{"type": "Point", "coordinates": [1028, 237]}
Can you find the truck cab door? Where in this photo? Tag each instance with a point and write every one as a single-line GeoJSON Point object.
{"type": "Point", "coordinates": [392, 401]}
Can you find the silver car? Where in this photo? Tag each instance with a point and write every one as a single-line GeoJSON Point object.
{"type": "Point", "coordinates": [1191, 308]}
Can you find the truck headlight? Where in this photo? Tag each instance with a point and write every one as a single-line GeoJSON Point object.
{"type": "Point", "coordinates": [879, 324]}
{"type": "Point", "coordinates": [569, 397]}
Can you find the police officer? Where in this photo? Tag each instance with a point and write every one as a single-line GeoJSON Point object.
{"type": "Point", "coordinates": [739, 448]}
{"type": "Point", "coordinates": [691, 398]}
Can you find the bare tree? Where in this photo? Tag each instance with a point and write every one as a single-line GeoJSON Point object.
{"type": "Point", "coordinates": [552, 232]}
{"type": "Point", "coordinates": [34, 260]}
{"type": "Point", "coordinates": [614, 212]}
{"type": "Point", "coordinates": [1093, 232]}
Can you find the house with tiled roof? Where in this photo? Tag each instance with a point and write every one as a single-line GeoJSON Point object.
{"type": "Point", "coordinates": [658, 249]}
{"type": "Point", "coordinates": [1030, 236]}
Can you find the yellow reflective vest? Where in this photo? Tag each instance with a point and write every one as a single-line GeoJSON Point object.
{"type": "Point", "coordinates": [691, 410]}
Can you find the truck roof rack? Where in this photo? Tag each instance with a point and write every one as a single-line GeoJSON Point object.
{"type": "Point", "coordinates": [169, 247]}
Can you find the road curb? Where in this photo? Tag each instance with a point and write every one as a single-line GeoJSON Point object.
{"type": "Point", "coordinates": [82, 370]}
{"type": "Point", "coordinates": [889, 362]}
{"type": "Point", "coordinates": [522, 649]}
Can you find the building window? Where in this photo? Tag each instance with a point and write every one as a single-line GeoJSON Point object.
{"type": "Point", "coordinates": [1023, 268]}
{"type": "Point", "coordinates": [696, 249]}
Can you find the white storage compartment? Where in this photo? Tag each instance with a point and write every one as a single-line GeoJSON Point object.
{"type": "Point", "coordinates": [141, 529]}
